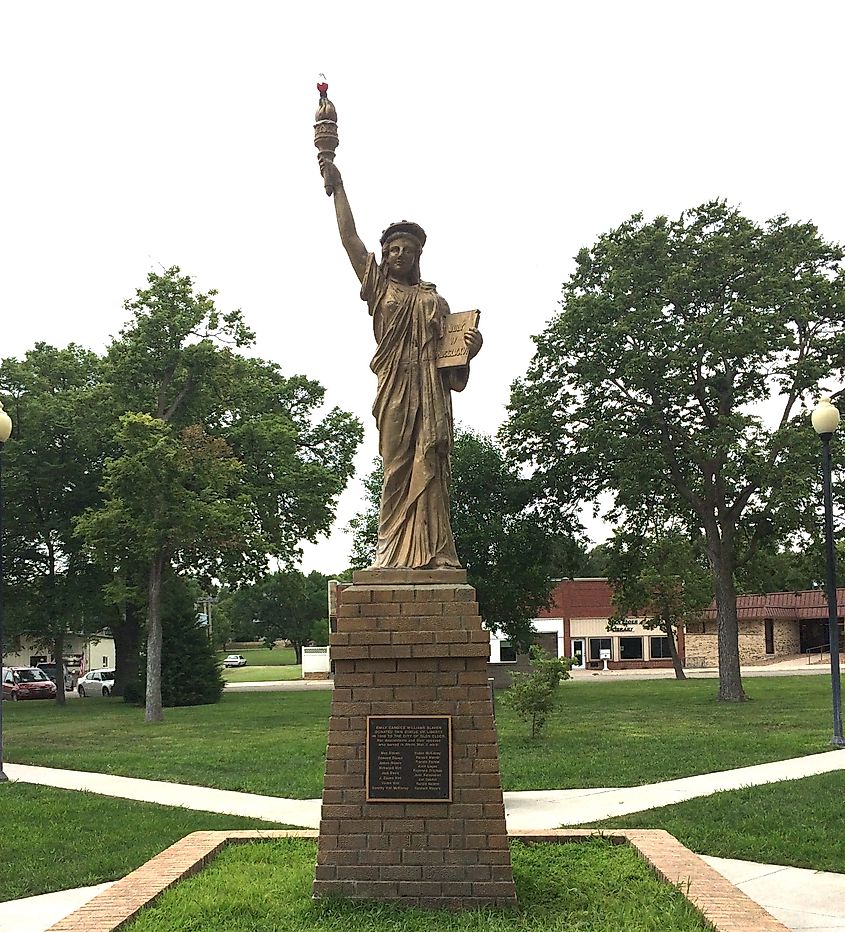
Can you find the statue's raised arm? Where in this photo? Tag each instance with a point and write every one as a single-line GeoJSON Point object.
{"type": "Point", "coordinates": [352, 243]}
{"type": "Point", "coordinates": [326, 140]}
{"type": "Point", "coordinates": [413, 406]}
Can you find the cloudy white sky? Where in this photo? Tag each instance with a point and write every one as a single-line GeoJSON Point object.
{"type": "Point", "coordinates": [145, 134]}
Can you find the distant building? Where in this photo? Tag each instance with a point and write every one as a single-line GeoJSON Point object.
{"type": "Point", "coordinates": [576, 625]}
{"type": "Point", "coordinates": [771, 626]}
{"type": "Point", "coordinates": [82, 653]}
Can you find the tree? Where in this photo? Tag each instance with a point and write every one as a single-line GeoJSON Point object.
{"type": "Point", "coordinates": [284, 606]}
{"type": "Point", "coordinates": [222, 461]}
{"type": "Point", "coordinates": [594, 562]}
{"type": "Point", "coordinates": [676, 372]}
{"type": "Point", "coordinates": [786, 568]}
{"type": "Point", "coordinates": [169, 495]}
{"type": "Point", "coordinates": [364, 526]}
{"type": "Point", "coordinates": [166, 362]}
{"type": "Point", "coordinates": [534, 695]}
{"type": "Point", "coordinates": [511, 556]}
{"type": "Point", "coordinates": [52, 471]}
{"type": "Point", "coordinates": [659, 575]}
{"type": "Point", "coordinates": [317, 600]}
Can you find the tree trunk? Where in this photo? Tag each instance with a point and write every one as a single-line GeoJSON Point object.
{"type": "Point", "coordinates": [58, 645]}
{"type": "Point", "coordinates": [127, 648]}
{"type": "Point", "coordinates": [677, 666]}
{"type": "Point", "coordinates": [59, 657]}
{"type": "Point", "coordinates": [153, 711]}
{"type": "Point", "coordinates": [730, 675]}
{"type": "Point", "coordinates": [297, 650]}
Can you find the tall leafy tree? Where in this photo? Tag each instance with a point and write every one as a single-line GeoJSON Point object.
{"type": "Point", "coordinates": [169, 496]}
{"type": "Point", "coordinates": [52, 472]}
{"type": "Point", "coordinates": [223, 461]}
{"type": "Point", "coordinates": [677, 369]}
{"type": "Point", "coordinates": [166, 362]}
{"type": "Point", "coordinates": [512, 557]}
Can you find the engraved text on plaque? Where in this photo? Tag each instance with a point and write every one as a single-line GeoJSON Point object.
{"type": "Point", "coordinates": [409, 758]}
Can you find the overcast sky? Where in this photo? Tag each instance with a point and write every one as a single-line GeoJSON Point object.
{"type": "Point", "coordinates": [139, 135]}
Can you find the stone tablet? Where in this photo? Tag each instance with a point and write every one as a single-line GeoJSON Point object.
{"type": "Point", "coordinates": [452, 350]}
{"type": "Point", "coordinates": [409, 758]}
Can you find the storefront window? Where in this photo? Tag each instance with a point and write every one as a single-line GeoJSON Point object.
{"type": "Point", "coordinates": [660, 649]}
{"type": "Point", "coordinates": [597, 645]}
{"type": "Point", "coordinates": [630, 648]}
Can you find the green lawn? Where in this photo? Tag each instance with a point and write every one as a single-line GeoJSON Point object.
{"type": "Point", "coordinates": [262, 674]}
{"type": "Point", "coordinates": [267, 885]}
{"type": "Point", "coordinates": [613, 734]}
{"type": "Point", "coordinates": [270, 743]}
{"type": "Point", "coordinates": [641, 731]}
{"type": "Point", "coordinates": [262, 656]}
{"type": "Point", "coordinates": [58, 839]}
{"type": "Point", "coordinates": [799, 823]}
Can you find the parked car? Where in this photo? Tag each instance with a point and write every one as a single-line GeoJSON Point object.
{"type": "Point", "coordinates": [50, 670]}
{"type": "Point", "coordinates": [96, 683]}
{"type": "Point", "coordinates": [27, 683]}
{"type": "Point", "coordinates": [234, 660]}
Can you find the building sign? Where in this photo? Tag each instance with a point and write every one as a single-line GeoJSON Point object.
{"type": "Point", "coordinates": [409, 758]}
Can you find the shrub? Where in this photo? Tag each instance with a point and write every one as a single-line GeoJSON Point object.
{"type": "Point", "coordinates": [535, 694]}
{"type": "Point", "coordinates": [190, 671]}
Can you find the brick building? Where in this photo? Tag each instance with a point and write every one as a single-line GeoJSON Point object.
{"type": "Point", "coordinates": [576, 625]}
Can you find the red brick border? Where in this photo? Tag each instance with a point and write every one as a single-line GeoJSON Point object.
{"type": "Point", "coordinates": [721, 904]}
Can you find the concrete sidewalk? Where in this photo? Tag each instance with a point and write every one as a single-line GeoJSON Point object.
{"type": "Point", "coordinates": [795, 665]}
{"type": "Point", "coordinates": [527, 810]}
{"type": "Point", "coordinates": [37, 913]}
{"type": "Point", "coordinates": [299, 813]}
{"type": "Point", "coordinates": [803, 900]}
{"type": "Point", "coordinates": [277, 686]}
{"type": "Point", "coordinates": [554, 808]}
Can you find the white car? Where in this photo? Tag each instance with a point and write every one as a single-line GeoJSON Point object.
{"type": "Point", "coordinates": [234, 660]}
{"type": "Point", "coordinates": [96, 683]}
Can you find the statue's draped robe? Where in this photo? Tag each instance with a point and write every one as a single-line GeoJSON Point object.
{"type": "Point", "coordinates": [413, 411]}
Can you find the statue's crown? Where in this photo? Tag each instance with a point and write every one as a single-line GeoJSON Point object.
{"type": "Point", "coordinates": [404, 226]}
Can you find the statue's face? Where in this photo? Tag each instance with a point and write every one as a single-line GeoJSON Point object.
{"type": "Point", "coordinates": [401, 255]}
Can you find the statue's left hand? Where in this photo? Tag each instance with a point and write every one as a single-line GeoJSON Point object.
{"type": "Point", "coordinates": [474, 341]}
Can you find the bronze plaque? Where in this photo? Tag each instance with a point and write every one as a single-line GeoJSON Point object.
{"type": "Point", "coordinates": [409, 758]}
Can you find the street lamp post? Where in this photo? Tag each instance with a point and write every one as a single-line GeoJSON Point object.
{"type": "Point", "coordinates": [825, 420]}
{"type": "Point", "coordinates": [5, 433]}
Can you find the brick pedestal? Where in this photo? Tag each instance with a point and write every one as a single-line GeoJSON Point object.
{"type": "Point", "coordinates": [410, 642]}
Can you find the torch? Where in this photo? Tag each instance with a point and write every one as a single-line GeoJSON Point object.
{"type": "Point", "coordinates": [325, 128]}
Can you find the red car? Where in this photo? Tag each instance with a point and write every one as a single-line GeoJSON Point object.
{"type": "Point", "coordinates": [27, 683]}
